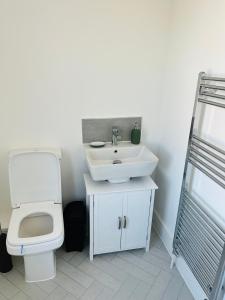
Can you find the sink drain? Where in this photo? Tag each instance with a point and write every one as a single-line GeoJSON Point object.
{"type": "Point", "coordinates": [117, 161]}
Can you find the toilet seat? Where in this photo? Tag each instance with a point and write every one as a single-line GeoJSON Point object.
{"type": "Point", "coordinates": [35, 244]}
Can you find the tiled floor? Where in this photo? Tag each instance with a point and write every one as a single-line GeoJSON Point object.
{"type": "Point", "coordinates": [133, 275]}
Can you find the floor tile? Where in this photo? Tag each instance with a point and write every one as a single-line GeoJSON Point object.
{"type": "Point", "coordinates": [146, 266]}
{"type": "Point", "coordinates": [133, 275]}
{"type": "Point", "coordinates": [31, 290]}
{"type": "Point", "coordinates": [69, 297]}
{"type": "Point", "coordinates": [65, 255]}
{"type": "Point", "coordinates": [160, 253]}
{"type": "Point", "coordinates": [140, 292]}
{"type": "Point", "coordinates": [133, 270]}
{"type": "Point", "coordinates": [74, 273]}
{"type": "Point", "coordinates": [47, 286]}
{"type": "Point", "coordinates": [156, 261]}
{"type": "Point", "coordinates": [157, 290]}
{"type": "Point", "coordinates": [20, 296]}
{"type": "Point", "coordinates": [77, 259]}
{"type": "Point", "coordinates": [99, 275]}
{"type": "Point", "coordinates": [58, 294]}
{"type": "Point", "coordinates": [7, 288]}
{"type": "Point", "coordinates": [3, 297]}
{"type": "Point", "coordinates": [109, 268]}
{"type": "Point", "coordinates": [126, 289]}
{"type": "Point", "coordinates": [173, 289]}
{"type": "Point", "coordinates": [164, 278]}
{"type": "Point", "coordinates": [69, 284]}
{"type": "Point", "coordinates": [106, 294]}
{"type": "Point", "coordinates": [93, 291]}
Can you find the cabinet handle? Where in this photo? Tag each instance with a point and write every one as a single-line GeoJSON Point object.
{"type": "Point", "coordinates": [124, 222]}
{"type": "Point", "coordinates": [120, 222]}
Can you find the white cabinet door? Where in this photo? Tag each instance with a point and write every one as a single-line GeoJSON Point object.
{"type": "Point", "coordinates": [135, 219]}
{"type": "Point", "coordinates": [107, 218]}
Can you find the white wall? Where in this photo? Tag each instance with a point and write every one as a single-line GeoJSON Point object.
{"type": "Point", "coordinates": [196, 44]}
{"type": "Point", "coordinates": [61, 61]}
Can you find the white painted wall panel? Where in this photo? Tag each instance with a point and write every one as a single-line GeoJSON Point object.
{"type": "Point", "coordinates": [61, 61]}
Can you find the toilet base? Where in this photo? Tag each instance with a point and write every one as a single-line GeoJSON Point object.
{"type": "Point", "coordinates": [40, 267]}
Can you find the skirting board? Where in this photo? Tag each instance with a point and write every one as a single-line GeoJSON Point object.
{"type": "Point", "coordinates": [167, 238]}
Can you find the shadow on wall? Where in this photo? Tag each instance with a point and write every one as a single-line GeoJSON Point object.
{"type": "Point", "coordinates": [73, 167]}
{"type": "Point", "coordinates": [5, 205]}
{"type": "Point", "coordinates": [165, 159]}
{"type": "Point", "coordinates": [166, 189]}
{"type": "Point", "coordinates": [67, 177]}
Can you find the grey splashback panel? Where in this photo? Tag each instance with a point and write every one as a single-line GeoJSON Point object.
{"type": "Point", "coordinates": [101, 129]}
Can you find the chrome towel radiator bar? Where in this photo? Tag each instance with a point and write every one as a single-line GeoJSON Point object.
{"type": "Point", "coordinates": [198, 237]}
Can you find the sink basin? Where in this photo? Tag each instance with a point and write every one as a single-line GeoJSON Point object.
{"type": "Point", "coordinates": [120, 163]}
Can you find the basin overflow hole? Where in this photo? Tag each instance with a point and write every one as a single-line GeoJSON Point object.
{"type": "Point", "coordinates": [117, 161]}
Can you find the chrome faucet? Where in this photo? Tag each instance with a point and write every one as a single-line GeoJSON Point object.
{"type": "Point", "coordinates": [115, 136]}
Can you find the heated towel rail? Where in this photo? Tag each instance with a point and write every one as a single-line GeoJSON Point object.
{"type": "Point", "coordinates": [199, 238]}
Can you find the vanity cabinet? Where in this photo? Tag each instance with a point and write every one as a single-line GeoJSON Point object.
{"type": "Point", "coordinates": [120, 215]}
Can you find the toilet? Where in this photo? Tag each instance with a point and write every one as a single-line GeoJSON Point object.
{"type": "Point", "coordinates": [36, 225]}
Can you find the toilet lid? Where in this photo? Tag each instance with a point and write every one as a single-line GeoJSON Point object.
{"type": "Point", "coordinates": [34, 176]}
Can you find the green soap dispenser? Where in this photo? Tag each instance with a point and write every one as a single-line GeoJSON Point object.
{"type": "Point", "coordinates": [136, 134]}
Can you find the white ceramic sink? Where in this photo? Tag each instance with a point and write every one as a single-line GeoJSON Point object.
{"type": "Point", "coordinates": [120, 163]}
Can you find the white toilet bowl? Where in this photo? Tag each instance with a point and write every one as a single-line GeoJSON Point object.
{"type": "Point", "coordinates": [36, 225]}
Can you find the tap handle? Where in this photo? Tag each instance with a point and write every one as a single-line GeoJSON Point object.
{"type": "Point", "coordinates": [115, 130]}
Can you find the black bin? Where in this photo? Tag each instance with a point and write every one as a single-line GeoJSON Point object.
{"type": "Point", "coordinates": [5, 258]}
{"type": "Point", "coordinates": [75, 226]}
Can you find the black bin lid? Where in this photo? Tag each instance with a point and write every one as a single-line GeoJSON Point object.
{"type": "Point", "coordinates": [74, 210]}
